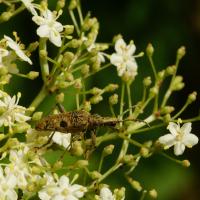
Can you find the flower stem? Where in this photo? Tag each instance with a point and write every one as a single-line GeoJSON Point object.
{"type": "Point", "coordinates": [39, 98]}
{"type": "Point", "coordinates": [43, 60]}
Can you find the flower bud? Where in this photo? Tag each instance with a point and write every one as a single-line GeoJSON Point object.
{"type": "Point", "coordinates": [60, 4]}
{"type": "Point", "coordinates": [95, 175]}
{"type": "Point", "coordinates": [180, 52]}
{"type": "Point", "coordinates": [5, 16]}
{"type": "Point", "coordinates": [147, 81]}
{"type": "Point", "coordinates": [36, 170]}
{"type": "Point", "coordinates": [150, 49]}
{"type": "Point", "coordinates": [96, 91]}
{"type": "Point", "coordinates": [60, 97]}
{"type": "Point", "coordinates": [161, 75]}
{"type": "Point", "coordinates": [178, 83]}
{"type": "Point", "coordinates": [167, 110]}
{"type": "Point", "coordinates": [108, 150]}
{"type": "Point", "coordinates": [128, 159]}
{"type": "Point", "coordinates": [21, 128]}
{"type": "Point", "coordinates": [81, 163]}
{"type": "Point", "coordinates": [120, 193]}
{"type": "Point", "coordinates": [192, 97]}
{"type": "Point", "coordinates": [170, 70]}
{"type": "Point", "coordinates": [96, 99]}
{"type": "Point", "coordinates": [67, 58]}
{"type": "Point", "coordinates": [135, 184]}
{"type": "Point", "coordinates": [72, 4]}
{"type": "Point", "coordinates": [58, 165]}
{"type": "Point", "coordinates": [75, 43]}
{"type": "Point", "coordinates": [69, 29]}
{"type": "Point", "coordinates": [37, 116]}
{"type": "Point", "coordinates": [88, 23]}
{"type": "Point", "coordinates": [186, 163]}
{"type": "Point", "coordinates": [87, 106]}
{"type": "Point", "coordinates": [111, 87]}
{"type": "Point", "coordinates": [144, 152]}
{"type": "Point", "coordinates": [78, 84]}
{"type": "Point", "coordinates": [3, 70]}
{"type": "Point", "coordinates": [32, 75]}
{"type": "Point", "coordinates": [85, 69]}
{"type": "Point", "coordinates": [33, 46]}
{"type": "Point", "coordinates": [77, 149]}
{"type": "Point", "coordinates": [68, 76]}
{"type": "Point", "coordinates": [153, 91]}
{"type": "Point", "coordinates": [62, 84]}
{"type": "Point", "coordinates": [113, 99]}
{"type": "Point", "coordinates": [153, 194]}
{"type": "Point", "coordinates": [167, 118]}
{"type": "Point", "coordinates": [96, 66]}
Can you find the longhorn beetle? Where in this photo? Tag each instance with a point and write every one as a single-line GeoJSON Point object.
{"type": "Point", "coordinates": [77, 122]}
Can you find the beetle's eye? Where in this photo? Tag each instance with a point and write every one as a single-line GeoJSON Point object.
{"type": "Point", "coordinates": [63, 124]}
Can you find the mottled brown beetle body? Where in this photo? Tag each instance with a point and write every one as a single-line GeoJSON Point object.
{"type": "Point", "coordinates": [74, 122]}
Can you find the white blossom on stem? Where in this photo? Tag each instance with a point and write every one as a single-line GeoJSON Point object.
{"type": "Point", "coordinates": [106, 194]}
{"type": "Point", "coordinates": [123, 59]}
{"type": "Point", "coordinates": [7, 186]}
{"type": "Point", "coordinates": [49, 27]}
{"type": "Point", "coordinates": [179, 137]}
{"type": "Point", "coordinates": [17, 49]}
{"type": "Point", "coordinates": [61, 190]}
{"type": "Point", "coordinates": [11, 112]}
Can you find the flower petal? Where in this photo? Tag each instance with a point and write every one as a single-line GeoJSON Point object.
{"type": "Point", "coordinates": [106, 194]}
{"type": "Point", "coordinates": [55, 38]}
{"type": "Point", "coordinates": [186, 128]}
{"type": "Point", "coordinates": [173, 128]}
{"type": "Point", "coordinates": [190, 140]}
{"type": "Point", "coordinates": [120, 46]}
{"type": "Point", "coordinates": [116, 59]}
{"type": "Point", "coordinates": [131, 48]}
{"type": "Point", "coordinates": [43, 31]}
{"type": "Point", "coordinates": [167, 140]}
{"type": "Point", "coordinates": [179, 148]}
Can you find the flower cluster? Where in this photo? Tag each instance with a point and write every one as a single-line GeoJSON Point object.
{"type": "Point", "coordinates": [40, 164]}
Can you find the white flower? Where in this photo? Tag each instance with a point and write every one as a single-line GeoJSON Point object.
{"type": "Point", "coordinates": [14, 46]}
{"type": "Point", "coordinates": [106, 194]}
{"type": "Point", "coordinates": [7, 185]}
{"type": "Point", "coordinates": [29, 5]}
{"type": "Point", "coordinates": [11, 111]}
{"type": "Point", "coordinates": [49, 27]}
{"type": "Point", "coordinates": [63, 139]}
{"type": "Point", "coordinates": [62, 190]}
{"type": "Point", "coordinates": [179, 137]}
{"type": "Point", "coordinates": [123, 59]}
{"type": "Point", "coordinates": [19, 167]}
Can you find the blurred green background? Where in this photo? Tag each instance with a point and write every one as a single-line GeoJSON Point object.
{"type": "Point", "coordinates": [167, 24]}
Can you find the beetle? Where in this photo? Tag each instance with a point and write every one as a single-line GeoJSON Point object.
{"type": "Point", "coordinates": [75, 122]}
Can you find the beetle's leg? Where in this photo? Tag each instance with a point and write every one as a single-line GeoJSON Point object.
{"type": "Point", "coordinates": [48, 141]}
{"type": "Point", "coordinates": [61, 108]}
{"type": "Point", "coordinates": [92, 147]}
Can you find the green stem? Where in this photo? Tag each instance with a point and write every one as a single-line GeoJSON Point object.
{"type": "Point", "coordinates": [171, 158]}
{"type": "Point", "coordinates": [74, 21]}
{"type": "Point", "coordinates": [77, 102]}
{"type": "Point", "coordinates": [39, 98]}
{"type": "Point", "coordinates": [129, 98]}
{"type": "Point", "coordinates": [153, 67]}
{"type": "Point", "coordinates": [43, 60]}
{"type": "Point", "coordinates": [101, 162]}
{"type": "Point", "coordinates": [169, 90]}
{"type": "Point", "coordinates": [181, 110]}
